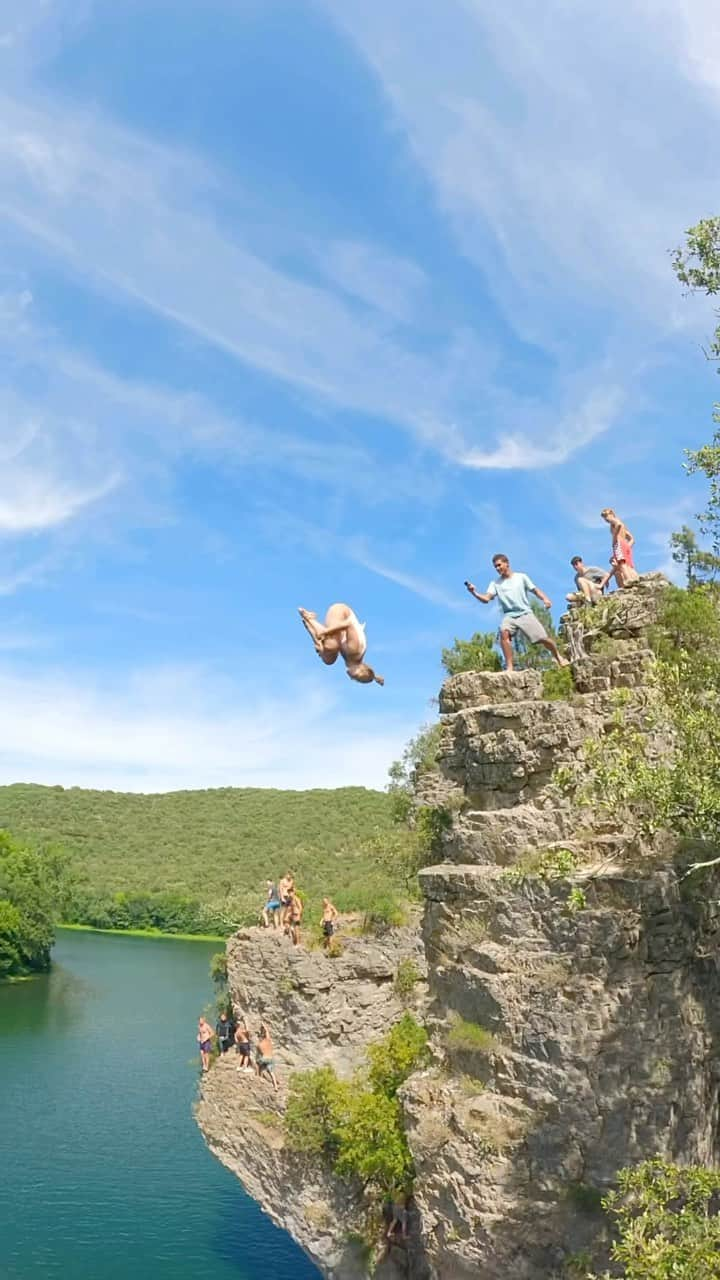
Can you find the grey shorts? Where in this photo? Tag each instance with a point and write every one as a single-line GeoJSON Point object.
{"type": "Point", "coordinates": [530, 626]}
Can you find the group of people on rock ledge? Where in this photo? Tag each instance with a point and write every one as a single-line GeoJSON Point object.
{"type": "Point", "coordinates": [512, 590]}
{"type": "Point", "coordinates": [284, 909]}
{"type": "Point", "coordinates": [342, 635]}
{"type": "Point", "coordinates": [255, 1056]}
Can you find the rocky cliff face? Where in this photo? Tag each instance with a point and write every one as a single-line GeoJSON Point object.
{"type": "Point", "coordinates": [321, 1010]}
{"type": "Point", "coordinates": [573, 995]}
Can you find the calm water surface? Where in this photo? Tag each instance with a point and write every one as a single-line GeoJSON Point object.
{"type": "Point", "coordinates": [104, 1175]}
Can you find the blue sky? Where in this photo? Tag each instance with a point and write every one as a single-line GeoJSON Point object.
{"type": "Point", "coordinates": [306, 301]}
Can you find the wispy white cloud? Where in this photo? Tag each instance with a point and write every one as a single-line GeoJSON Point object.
{"type": "Point", "coordinates": [78, 442]}
{"type": "Point", "coordinates": [590, 418]}
{"type": "Point", "coordinates": [564, 141]}
{"type": "Point", "coordinates": [139, 219]}
{"type": "Point", "coordinates": [419, 586]}
{"type": "Point", "coordinates": [137, 734]}
{"type": "Point", "coordinates": [389, 284]}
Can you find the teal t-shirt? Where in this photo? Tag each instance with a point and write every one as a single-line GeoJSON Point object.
{"type": "Point", "coordinates": [512, 593]}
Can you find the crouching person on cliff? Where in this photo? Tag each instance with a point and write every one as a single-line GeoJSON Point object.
{"type": "Point", "coordinates": [511, 590]}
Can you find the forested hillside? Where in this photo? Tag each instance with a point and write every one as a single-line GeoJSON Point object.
{"type": "Point", "coordinates": [198, 860]}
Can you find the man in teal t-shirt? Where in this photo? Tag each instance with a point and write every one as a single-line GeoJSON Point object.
{"type": "Point", "coordinates": [512, 591]}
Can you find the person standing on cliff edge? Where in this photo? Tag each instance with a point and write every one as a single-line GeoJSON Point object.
{"type": "Point", "coordinates": [511, 590]}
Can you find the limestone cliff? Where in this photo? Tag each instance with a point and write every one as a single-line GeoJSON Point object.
{"type": "Point", "coordinates": [573, 995]}
{"type": "Point", "coordinates": [321, 1010]}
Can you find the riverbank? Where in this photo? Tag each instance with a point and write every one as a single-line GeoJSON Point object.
{"type": "Point", "coordinates": [146, 933]}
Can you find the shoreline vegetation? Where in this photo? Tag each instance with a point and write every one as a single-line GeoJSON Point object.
{"type": "Point", "coordinates": [145, 933]}
{"type": "Point", "coordinates": [196, 863]}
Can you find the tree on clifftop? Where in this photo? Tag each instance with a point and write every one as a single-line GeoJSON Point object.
{"type": "Point", "coordinates": [700, 566]}
{"type": "Point", "coordinates": [697, 266]}
{"type": "Point", "coordinates": [476, 654]}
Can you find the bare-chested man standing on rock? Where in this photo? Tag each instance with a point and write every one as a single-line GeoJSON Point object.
{"type": "Point", "coordinates": [341, 633]}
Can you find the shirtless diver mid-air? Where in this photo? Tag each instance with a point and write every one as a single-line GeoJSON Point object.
{"type": "Point", "coordinates": [341, 633]}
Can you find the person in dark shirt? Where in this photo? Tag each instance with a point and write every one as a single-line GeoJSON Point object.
{"type": "Point", "coordinates": [225, 1031]}
{"type": "Point", "coordinates": [589, 582]}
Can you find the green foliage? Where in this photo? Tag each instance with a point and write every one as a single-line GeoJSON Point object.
{"type": "Point", "coordinates": [357, 1125]}
{"type": "Point", "coordinates": [585, 1197]}
{"type": "Point", "coordinates": [697, 265]}
{"type": "Point", "coordinates": [557, 683]}
{"type": "Point", "coordinates": [542, 864]}
{"type": "Point", "coordinates": [535, 657]}
{"type": "Point", "coordinates": [706, 460]}
{"type": "Point", "coordinates": [11, 924]}
{"type": "Point", "coordinates": [470, 1037]}
{"type": "Point", "coordinates": [476, 654]}
{"type": "Point", "coordinates": [431, 824]}
{"type": "Point", "coordinates": [29, 888]}
{"type": "Point", "coordinates": [197, 861]}
{"type": "Point", "coordinates": [679, 792]}
{"type": "Point", "coordinates": [576, 900]}
{"type": "Point", "coordinates": [688, 626]}
{"type": "Point", "coordinates": [700, 566]}
{"type": "Point", "coordinates": [218, 969]}
{"type": "Point", "coordinates": [422, 842]}
{"type": "Point", "coordinates": [317, 1101]}
{"type": "Point", "coordinates": [667, 1222]}
{"type": "Point", "coordinates": [407, 975]}
{"type": "Point", "coordinates": [371, 1142]}
{"type": "Point", "coordinates": [419, 757]}
{"type": "Point", "coordinates": [396, 1056]}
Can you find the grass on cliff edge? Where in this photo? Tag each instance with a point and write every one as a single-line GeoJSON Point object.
{"type": "Point", "coordinates": [217, 846]}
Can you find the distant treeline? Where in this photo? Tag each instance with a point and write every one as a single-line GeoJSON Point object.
{"type": "Point", "coordinates": [197, 861]}
{"type": "Point", "coordinates": [168, 912]}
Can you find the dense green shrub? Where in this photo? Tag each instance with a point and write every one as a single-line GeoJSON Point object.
{"type": "Point", "coordinates": [419, 757]}
{"type": "Point", "coordinates": [476, 654]}
{"type": "Point", "coordinates": [667, 1222]}
{"type": "Point", "coordinates": [557, 683]}
{"type": "Point", "coordinates": [407, 975]}
{"type": "Point", "coordinates": [371, 1142]}
{"type": "Point", "coordinates": [317, 1102]}
{"type": "Point", "coordinates": [681, 791]}
{"type": "Point", "coordinates": [28, 887]}
{"type": "Point", "coordinates": [470, 1037]}
{"type": "Point", "coordinates": [396, 1056]}
{"type": "Point", "coordinates": [357, 1125]}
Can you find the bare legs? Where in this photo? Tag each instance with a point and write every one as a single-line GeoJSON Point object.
{"type": "Point", "coordinates": [326, 646]}
{"type": "Point", "coordinates": [551, 645]}
{"type": "Point", "coordinates": [506, 646]}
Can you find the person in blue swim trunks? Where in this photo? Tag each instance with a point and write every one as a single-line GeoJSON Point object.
{"type": "Point", "coordinates": [272, 905]}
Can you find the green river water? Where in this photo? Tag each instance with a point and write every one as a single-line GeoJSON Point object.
{"type": "Point", "coordinates": [104, 1175]}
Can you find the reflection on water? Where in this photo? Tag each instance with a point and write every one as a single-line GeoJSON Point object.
{"type": "Point", "coordinates": [48, 1004]}
{"type": "Point", "coordinates": [96, 1103]}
